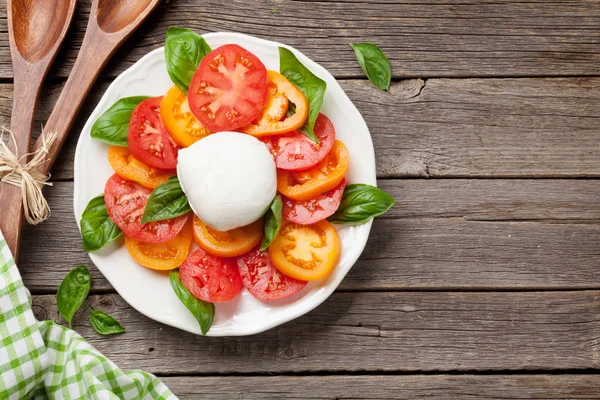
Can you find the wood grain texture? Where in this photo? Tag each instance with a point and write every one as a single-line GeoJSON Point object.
{"type": "Point", "coordinates": [447, 127]}
{"type": "Point", "coordinates": [455, 387]}
{"type": "Point", "coordinates": [422, 38]}
{"type": "Point", "coordinates": [369, 332]}
{"type": "Point", "coordinates": [443, 234]}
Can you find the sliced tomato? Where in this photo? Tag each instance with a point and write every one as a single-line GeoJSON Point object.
{"type": "Point", "coordinates": [272, 120]}
{"type": "Point", "coordinates": [315, 210]}
{"type": "Point", "coordinates": [211, 278]}
{"type": "Point", "coordinates": [326, 175]}
{"type": "Point", "coordinates": [131, 169]}
{"type": "Point", "coordinates": [229, 88]}
{"type": "Point", "coordinates": [231, 243]}
{"type": "Point", "coordinates": [306, 252]}
{"type": "Point", "coordinates": [147, 137]}
{"type": "Point", "coordinates": [296, 152]}
{"type": "Point", "coordinates": [125, 203]}
{"type": "Point", "coordinates": [178, 119]}
{"type": "Point", "coordinates": [263, 280]}
{"type": "Point", "coordinates": [162, 256]}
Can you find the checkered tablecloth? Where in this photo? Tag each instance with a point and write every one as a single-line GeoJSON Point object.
{"type": "Point", "coordinates": [44, 360]}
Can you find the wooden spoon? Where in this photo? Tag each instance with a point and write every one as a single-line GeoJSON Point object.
{"type": "Point", "coordinates": [110, 23]}
{"type": "Point", "coordinates": [36, 30]}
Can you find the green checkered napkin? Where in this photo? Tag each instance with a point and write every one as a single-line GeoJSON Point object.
{"type": "Point", "coordinates": [44, 360]}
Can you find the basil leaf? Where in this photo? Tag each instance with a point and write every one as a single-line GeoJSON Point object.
{"type": "Point", "coordinates": [97, 229]}
{"type": "Point", "coordinates": [112, 126]}
{"type": "Point", "coordinates": [184, 49]}
{"type": "Point", "coordinates": [73, 291]}
{"type": "Point", "coordinates": [104, 324]}
{"type": "Point", "coordinates": [166, 201]}
{"type": "Point", "coordinates": [273, 219]}
{"type": "Point", "coordinates": [374, 63]}
{"type": "Point", "coordinates": [203, 311]}
{"type": "Point", "coordinates": [361, 203]}
{"type": "Point", "coordinates": [311, 85]}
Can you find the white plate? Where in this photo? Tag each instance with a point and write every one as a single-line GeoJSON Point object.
{"type": "Point", "coordinates": [150, 292]}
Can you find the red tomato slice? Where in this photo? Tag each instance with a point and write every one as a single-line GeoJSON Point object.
{"type": "Point", "coordinates": [296, 152]}
{"type": "Point", "coordinates": [125, 203]}
{"type": "Point", "coordinates": [262, 280]}
{"type": "Point", "coordinates": [315, 210]}
{"type": "Point", "coordinates": [211, 278]}
{"type": "Point", "coordinates": [229, 88]}
{"type": "Point", "coordinates": [147, 137]}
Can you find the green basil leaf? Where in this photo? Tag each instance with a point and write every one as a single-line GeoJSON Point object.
{"type": "Point", "coordinates": [111, 127]}
{"type": "Point", "coordinates": [73, 291]}
{"type": "Point", "coordinates": [361, 203]}
{"type": "Point", "coordinates": [97, 229]}
{"type": "Point", "coordinates": [184, 49]}
{"type": "Point", "coordinates": [104, 324]}
{"type": "Point", "coordinates": [203, 311]}
{"type": "Point", "coordinates": [166, 201]}
{"type": "Point", "coordinates": [311, 85]}
{"type": "Point", "coordinates": [273, 219]}
{"type": "Point", "coordinates": [374, 63]}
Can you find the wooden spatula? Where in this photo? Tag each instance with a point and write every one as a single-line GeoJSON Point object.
{"type": "Point", "coordinates": [36, 30]}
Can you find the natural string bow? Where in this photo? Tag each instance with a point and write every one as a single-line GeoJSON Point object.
{"type": "Point", "coordinates": [27, 177]}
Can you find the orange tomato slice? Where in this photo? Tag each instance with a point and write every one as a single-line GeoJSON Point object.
{"type": "Point", "coordinates": [326, 175]}
{"type": "Point", "coordinates": [306, 252]}
{"type": "Point", "coordinates": [131, 169]}
{"type": "Point", "coordinates": [231, 243]}
{"type": "Point", "coordinates": [162, 256]}
{"type": "Point", "coordinates": [271, 120]}
{"type": "Point", "coordinates": [181, 124]}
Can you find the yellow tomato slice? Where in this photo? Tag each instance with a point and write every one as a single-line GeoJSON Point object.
{"type": "Point", "coordinates": [306, 252]}
{"type": "Point", "coordinates": [231, 243]}
{"type": "Point", "coordinates": [162, 256]}
{"type": "Point", "coordinates": [271, 121]}
{"type": "Point", "coordinates": [326, 175]}
{"type": "Point", "coordinates": [181, 124]}
{"type": "Point", "coordinates": [131, 169]}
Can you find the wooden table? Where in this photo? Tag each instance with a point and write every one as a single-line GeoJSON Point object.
{"type": "Point", "coordinates": [484, 280]}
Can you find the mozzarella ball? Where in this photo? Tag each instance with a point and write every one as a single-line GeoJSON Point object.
{"type": "Point", "coordinates": [229, 178]}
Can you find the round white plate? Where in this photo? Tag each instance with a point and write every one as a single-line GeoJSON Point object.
{"type": "Point", "coordinates": [150, 292]}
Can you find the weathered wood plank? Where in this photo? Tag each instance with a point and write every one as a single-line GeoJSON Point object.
{"type": "Point", "coordinates": [416, 331]}
{"type": "Point", "coordinates": [422, 38]}
{"type": "Point", "coordinates": [454, 387]}
{"type": "Point", "coordinates": [449, 127]}
{"type": "Point", "coordinates": [439, 236]}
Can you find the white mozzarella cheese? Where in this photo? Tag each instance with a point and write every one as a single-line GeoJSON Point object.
{"type": "Point", "coordinates": [229, 179]}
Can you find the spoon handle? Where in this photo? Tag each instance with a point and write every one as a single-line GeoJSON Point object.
{"type": "Point", "coordinates": [11, 205]}
{"type": "Point", "coordinates": [96, 49]}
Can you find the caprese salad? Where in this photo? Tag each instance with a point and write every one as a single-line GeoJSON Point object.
{"type": "Point", "coordinates": [235, 159]}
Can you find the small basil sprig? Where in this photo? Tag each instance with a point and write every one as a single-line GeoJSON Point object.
{"type": "Point", "coordinates": [73, 291]}
{"type": "Point", "coordinates": [311, 85]}
{"type": "Point", "coordinates": [203, 311]}
{"type": "Point", "coordinates": [273, 219]}
{"type": "Point", "coordinates": [104, 324]}
{"type": "Point", "coordinates": [166, 201]}
{"type": "Point", "coordinates": [112, 126]}
{"type": "Point", "coordinates": [361, 203]}
{"type": "Point", "coordinates": [97, 229]}
{"type": "Point", "coordinates": [374, 63]}
{"type": "Point", "coordinates": [184, 49]}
